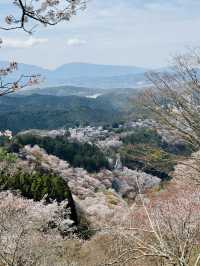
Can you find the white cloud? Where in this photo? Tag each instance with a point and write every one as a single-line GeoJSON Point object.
{"type": "Point", "coordinates": [133, 32]}
{"type": "Point", "coordinates": [21, 43]}
{"type": "Point", "coordinates": [75, 42]}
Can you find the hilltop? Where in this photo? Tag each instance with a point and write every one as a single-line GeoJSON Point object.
{"type": "Point", "coordinates": [85, 75]}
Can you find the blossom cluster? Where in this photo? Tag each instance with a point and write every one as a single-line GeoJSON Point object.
{"type": "Point", "coordinates": [46, 12]}
{"type": "Point", "coordinates": [7, 133]}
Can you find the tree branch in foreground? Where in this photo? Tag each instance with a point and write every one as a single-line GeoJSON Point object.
{"type": "Point", "coordinates": [45, 12]}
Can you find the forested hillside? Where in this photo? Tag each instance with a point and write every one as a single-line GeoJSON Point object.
{"type": "Point", "coordinates": [107, 173]}
{"type": "Point", "coordinates": [49, 112]}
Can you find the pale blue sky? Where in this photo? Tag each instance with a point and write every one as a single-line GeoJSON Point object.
{"type": "Point", "coordinates": [125, 32]}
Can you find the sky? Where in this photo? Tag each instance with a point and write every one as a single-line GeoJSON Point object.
{"type": "Point", "coordinates": [145, 33]}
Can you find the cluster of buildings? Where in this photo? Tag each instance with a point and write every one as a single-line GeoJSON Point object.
{"type": "Point", "coordinates": [140, 123]}
{"type": "Point", "coordinates": [88, 134]}
{"type": "Point", "coordinates": [103, 137]}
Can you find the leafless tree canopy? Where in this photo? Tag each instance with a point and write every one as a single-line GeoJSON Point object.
{"type": "Point", "coordinates": [174, 98]}
{"type": "Point", "coordinates": [163, 231]}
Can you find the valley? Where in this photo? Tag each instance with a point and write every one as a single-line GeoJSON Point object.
{"type": "Point", "coordinates": [99, 133]}
{"type": "Point", "coordinates": [90, 158]}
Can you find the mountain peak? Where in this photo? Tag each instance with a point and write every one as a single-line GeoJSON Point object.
{"type": "Point", "coordinates": [85, 75]}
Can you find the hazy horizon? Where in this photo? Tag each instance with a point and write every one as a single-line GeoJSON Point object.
{"type": "Point", "coordinates": [76, 62]}
{"type": "Point", "coordinates": [129, 32]}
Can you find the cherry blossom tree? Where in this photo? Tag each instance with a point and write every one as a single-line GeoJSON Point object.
{"type": "Point", "coordinates": [21, 82]}
{"type": "Point", "coordinates": [162, 230]}
{"type": "Point", "coordinates": [27, 16]}
{"type": "Point", "coordinates": [26, 237]}
{"type": "Point", "coordinates": [46, 12]}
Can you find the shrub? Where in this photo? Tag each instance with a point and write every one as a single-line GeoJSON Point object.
{"type": "Point", "coordinates": [145, 136]}
{"type": "Point", "coordinates": [34, 185]}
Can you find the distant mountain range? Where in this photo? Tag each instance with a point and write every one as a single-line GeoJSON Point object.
{"type": "Point", "coordinates": [86, 75]}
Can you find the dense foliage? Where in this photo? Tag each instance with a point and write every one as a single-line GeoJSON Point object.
{"type": "Point", "coordinates": [149, 159]}
{"type": "Point", "coordinates": [83, 155]}
{"type": "Point", "coordinates": [34, 185]}
{"type": "Point", "coordinates": [144, 149]}
{"type": "Point", "coordinates": [151, 137]}
{"type": "Point", "coordinates": [5, 156]}
{"type": "Point", "coordinates": [51, 112]}
{"type": "Point", "coordinates": [145, 136]}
